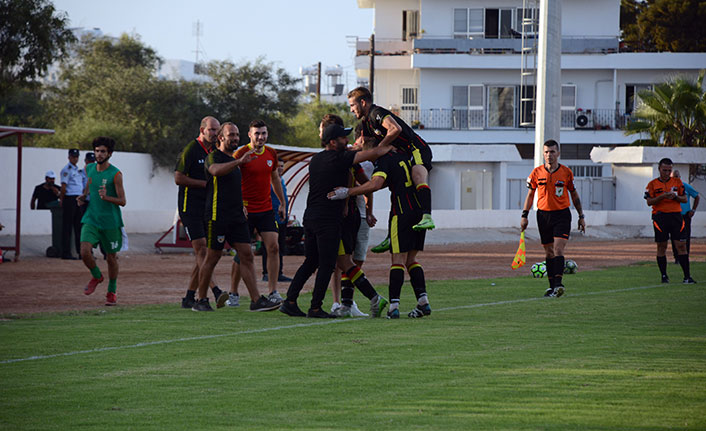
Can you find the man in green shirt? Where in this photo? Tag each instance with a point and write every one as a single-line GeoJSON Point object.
{"type": "Point", "coordinates": [103, 221]}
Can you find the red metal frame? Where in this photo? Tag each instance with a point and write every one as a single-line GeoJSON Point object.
{"type": "Point", "coordinates": [6, 131]}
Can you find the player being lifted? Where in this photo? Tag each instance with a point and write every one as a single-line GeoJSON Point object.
{"type": "Point", "coordinates": [553, 180]}
{"type": "Point", "coordinates": [389, 129]}
{"type": "Point", "coordinates": [393, 170]}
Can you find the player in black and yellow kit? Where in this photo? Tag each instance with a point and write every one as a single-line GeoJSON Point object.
{"type": "Point", "coordinates": [190, 176]}
{"type": "Point", "coordinates": [389, 129]}
{"type": "Point", "coordinates": [393, 170]}
{"type": "Point", "coordinates": [552, 181]}
{"type": "Point", "coordinates": [225, 219]}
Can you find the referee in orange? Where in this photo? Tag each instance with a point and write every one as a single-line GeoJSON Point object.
{"type": "Point", "coordinates": [554, 182]}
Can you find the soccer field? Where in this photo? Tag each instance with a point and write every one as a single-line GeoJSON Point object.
{"type": "Point", "coordinates": [617, 351]}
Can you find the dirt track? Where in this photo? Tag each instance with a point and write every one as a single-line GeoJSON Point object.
{"type": "Point", "coordinates": [42, 284]}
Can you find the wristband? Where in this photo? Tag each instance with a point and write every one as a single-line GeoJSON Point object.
{"type": "Point", "coordinates": [580, 216]}
{"type": "Point", "coordinates": [525, 213]}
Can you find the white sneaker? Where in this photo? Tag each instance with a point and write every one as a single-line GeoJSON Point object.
{"type": "Point", "coordinates": [355, 311]}
{"type": "Point", "coordinates": [275, 297]}
{"type": "Point", "coordinates": [335, 307]}
{"type": "Point", "coordinates": [233, 300]}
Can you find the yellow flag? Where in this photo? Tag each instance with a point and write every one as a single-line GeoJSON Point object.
{"type": "Point", "coordinates": [520, 257]}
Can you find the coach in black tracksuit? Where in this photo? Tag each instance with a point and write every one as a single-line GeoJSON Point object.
{"type": "Point", "coordinates": [323, 217]}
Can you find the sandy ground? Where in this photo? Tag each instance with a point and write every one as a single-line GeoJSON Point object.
{"type": "Point", "coordinates": [37, 283]}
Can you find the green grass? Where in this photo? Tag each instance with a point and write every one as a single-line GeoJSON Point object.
{"type": "Point", "coordinates": [618, 351]}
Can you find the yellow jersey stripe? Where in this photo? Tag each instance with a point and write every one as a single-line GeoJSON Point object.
{"type": "Point", "coordinates": [215, 198]}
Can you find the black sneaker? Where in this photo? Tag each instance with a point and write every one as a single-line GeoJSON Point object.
{"type": "Point", "coordinates": [420, 311]}
{"type": "Point", "coordinates": [283, 278]}
{"type": "Point", "coordinates": [221, 297]}
{"type": "Point", "coordinates": [265, 277]}
{"type": "Point", "coordinates": [187, 302]}
{"type": "Point", "coordinates": [394, 314]}
{"type": "Point", "coordinates": [291, 309]}
{"type": "Point", "coordinates": [550, 292]}
{"type": "Point", "coordinates": [319, 314]}
{"type": "Point", "coordinates": [689, 280]}
{"type": "Point", "coordinates": [202, 305]}
{"type": "Point", "coordinates": [558, 290]}
{"type": "Point", "coordinates": [263, 304]}
{"type": "Point", "coordinates": [665, 279]}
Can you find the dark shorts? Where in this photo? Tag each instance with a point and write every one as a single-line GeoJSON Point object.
{"type": "Point", "coordinates": [349, 233]}
{"type": "Point", "coordinates": [402, 237]}
{"type": "Point", "coordinates": [194, 225]}
{"type": "Point", "coordinates": [262, 222]}
{"type": "Point", "coordinates": [221, 231]}
{"type": "Point", "coordinates": [668, 225]}
{"type": "Point", "coordinates": [553, 224]}
{"type": "Point", "coordinates": [422, 156]}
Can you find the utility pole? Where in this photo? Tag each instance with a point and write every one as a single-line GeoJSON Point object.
{"type": "Point", "coordinates": [548, 119]}
{"type": "Point", "coordinates": [318, 81]}
{"type": "Point", "coordinates": [372, 63]}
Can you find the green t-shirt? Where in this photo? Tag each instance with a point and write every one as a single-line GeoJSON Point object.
{"type": "Point", "coordinates": [100, 213]}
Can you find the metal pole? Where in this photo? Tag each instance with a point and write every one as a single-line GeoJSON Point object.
{"type": "Point", "coordinates": [372, 64]}
{"type": "Point", "coordinates": [548, 118]}
{"type": "Point", "coordinates": [318, 81]}
{"type": "Point", "coordinates": [19, 197]}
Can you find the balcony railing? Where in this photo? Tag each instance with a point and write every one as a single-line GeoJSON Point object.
{"type": "Point", "coordinates": [476, 119]}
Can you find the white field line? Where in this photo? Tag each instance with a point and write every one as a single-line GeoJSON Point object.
{"type": "Point", "coordinates": [299, 325]}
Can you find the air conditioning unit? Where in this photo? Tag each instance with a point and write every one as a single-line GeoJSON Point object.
{"type": "Point", "coordinates": [584, 119]}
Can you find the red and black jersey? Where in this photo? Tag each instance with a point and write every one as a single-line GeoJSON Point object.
{"type": "Point", "coordinates": [407, 141]}
{"type": "Point", "coordinates": [257, 178]}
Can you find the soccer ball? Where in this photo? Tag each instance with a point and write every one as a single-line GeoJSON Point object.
{"type": "Point", "coordinates": [570, 267]}
{"type": "Point", "coordinates": [539, 269]}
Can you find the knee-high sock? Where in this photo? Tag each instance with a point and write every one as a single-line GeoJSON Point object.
{"type": "Point", "coordinates": [662, 264]}
{"type": "Point", "coordinates": [549, 265]}
{"type": "Point", "coordinates": [357, 277]}
{"type": "Point", "coordinates": [684, 262]}
{"type": "Point", "coordinates": [396, 281]}
{"type": "Point", "coordinates": [424, 195]}
{"type": "Point", "coordinates": [558, 269]}
{"type": "Point", "coordinates": [113, 285]}
{"type": "Point", "coordinates": [346, 291]}
{"type": "Point", "coordinates": [416, 278]}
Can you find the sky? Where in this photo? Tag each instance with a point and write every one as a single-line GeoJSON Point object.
{"type": "Point", "coordinates": [288, 33]}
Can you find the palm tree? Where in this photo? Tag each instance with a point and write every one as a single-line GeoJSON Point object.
{"type": "Point", "coordinates": [673, 114]}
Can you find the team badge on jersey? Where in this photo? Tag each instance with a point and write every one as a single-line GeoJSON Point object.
{"type": "Point", "coordinates": [559, 188]}
{"type": "Point", "coordinates": [269, 163]}
{"type": "Point", "coordinates": [220, 239]}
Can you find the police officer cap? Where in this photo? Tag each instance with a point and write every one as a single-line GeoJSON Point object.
{"type": "Point", "coordinates": [73, 152]}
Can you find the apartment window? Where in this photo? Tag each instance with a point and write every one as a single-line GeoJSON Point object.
{"type": "Point", "coordinates": [632, 97]}
{"type": "Point", "coordinates": [527, 105]}
{"type": "Point", "coordinates": [531, 21]}
{"type": "Point", "coordinates": [467, 104]}
{"type": "Point", "coordinates": [568, 106]}
{"type": "Point", "coordinates": [498, 23]}
{"type": "Point", "coordinates": [501, 106]}
{"type": "Point", "coordinates": [468, 23]}
{"type": "Point", "coordinates": [410, 24]}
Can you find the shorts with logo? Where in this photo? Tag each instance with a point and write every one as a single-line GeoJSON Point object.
{"type": "Point", "coordinates": [553, 224]}
{"type": "Point", "coordinates": [421, 155]}
{"type": "Point", "coordinates": [668, 225]}
{"type": "Point", "coordinates": [402, 237]}
{"type": "Point", "coordinates": [262, 222]}
{"type": "Point", "coordinates": [218, 232]}
{"type": "Point", "coordinates": [110, 239]}
{"type": "Point", "coordinates": [349, 233]}
{"type": "Point", "coordinates": [194, 225]}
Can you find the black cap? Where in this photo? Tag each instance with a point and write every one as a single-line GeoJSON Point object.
{"type": "Point", "coordinates": [73, 152]}
{"type": "Point", "coordinates": [333, 131]}
{"type": "Point", "coordinates": [90, 157]}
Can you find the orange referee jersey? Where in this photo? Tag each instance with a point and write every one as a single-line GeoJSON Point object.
{"type": "Point", "coordinates": [553, 188]}
{"type": "Point", "coordinates": [257, 178]}
{"type": "Point", "coordinates": [657, 187]}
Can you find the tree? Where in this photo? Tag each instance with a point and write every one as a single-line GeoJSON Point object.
{"type": "Point", "coordinates": [664, 25]}
{"type": "Point", "coordinates": [673, 114]}
{"type": "Point", "coordinates": [248, 91]}
{"type": "Point", "coordinates": [305, 124]}
{"type": "Point", "coordinates": [32, 36]}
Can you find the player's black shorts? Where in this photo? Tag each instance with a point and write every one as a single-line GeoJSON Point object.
{"type": "Point", "coordinates": [263, 222]}
{"type": "Point", "coordinates": [421, 155]}
{"type": "Point", "coordinates": [402, 237]}
{"type": "Point", "coordinates": [194, 225]}
{"type": "Point", "coordinates": [553, 224]}
{"type": "Point", "coordinates": [220, 231]}
{"type": "Point", "coordinates": [668, 225]}
{"type": "Point", "coordinates": [349, 232]}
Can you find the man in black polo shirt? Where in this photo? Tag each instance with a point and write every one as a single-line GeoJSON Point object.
{"type": "Point", "coordinates": [225, 219]}
{"type": "Point", "coordinates": [46, 195]}
{"type": "Point", "coordinates": [190, 176]}
{"type": "Point", "coordinates": [328, 169]}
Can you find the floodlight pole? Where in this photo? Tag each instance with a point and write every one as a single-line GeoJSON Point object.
{"type": "Point", "coordinates": [548, 114]}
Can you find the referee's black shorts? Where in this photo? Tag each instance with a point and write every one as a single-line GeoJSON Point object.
{"type": "Point", "coordinates": [402, 237]}
{"type": "Point", "coordinates": [553, 224]}
{"type": "Point", "coordinates": [668, 225]}
{"type": "Point", "coordinates": [194, 225]}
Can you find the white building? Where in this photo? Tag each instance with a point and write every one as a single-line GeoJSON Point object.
{"type": "Point", "coordinates": [452, 69]}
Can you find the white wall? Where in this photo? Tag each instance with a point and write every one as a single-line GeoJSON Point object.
{"type": "Point", "coordinates": [388, 17]}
